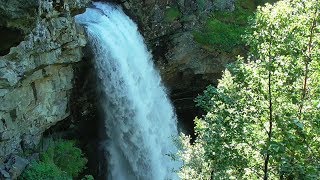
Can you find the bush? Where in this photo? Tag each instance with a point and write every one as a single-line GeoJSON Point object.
{"type": "Point", "coordinates": [44, 171]}
{"type": "Point", "coordinates": [68, 157]}
{"type": "Point", "coordinates": [62, 160]}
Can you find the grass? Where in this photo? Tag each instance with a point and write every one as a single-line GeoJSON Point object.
{"type": "Point", "coordinates": [223, 30]}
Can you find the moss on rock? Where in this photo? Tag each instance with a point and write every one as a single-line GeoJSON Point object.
{"type": "Point", "coordinates": [172, 14]}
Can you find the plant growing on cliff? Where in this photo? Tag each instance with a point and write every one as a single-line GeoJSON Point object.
{"type": "Point", "coordinates": [263, 118]}
{"type": "Point", "coordinates": [172, 14]}
{"type": "Point", "coordinates": [223, 30]}
{"type": "Point", "coordinates": [44, 170]}
{"type": "Point", "coordinates": [66, 156]}
{"type": "Point", "coordinates": [62, 160]}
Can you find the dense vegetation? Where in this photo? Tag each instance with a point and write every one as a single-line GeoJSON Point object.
{"type": "Point", "coordinates": [223, 29]}
{"type": "Point", "coordinates": [263, 119]}
{"type": "Point", "coordinates": [62, 160]}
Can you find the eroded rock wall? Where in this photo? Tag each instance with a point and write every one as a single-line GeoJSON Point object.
{"type": "Point", "coordinates": [36, 76]}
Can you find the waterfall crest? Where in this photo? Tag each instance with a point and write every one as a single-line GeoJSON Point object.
{"type": "Point", "coordinates": [139, 118]}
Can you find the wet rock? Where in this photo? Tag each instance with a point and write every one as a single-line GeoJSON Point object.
{"type": "Point", "coordinates": [15, 166]}
{"type": "Point", "coordinates": [34, 157]}
{"type": "Point", "coordinates": [4, 174]}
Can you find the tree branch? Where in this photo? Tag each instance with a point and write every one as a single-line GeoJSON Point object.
{"type": "Point", "coordinates": [307, 61]}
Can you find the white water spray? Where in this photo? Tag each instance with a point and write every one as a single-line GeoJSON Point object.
{"type": "Point", "coordinates": [139, 118]}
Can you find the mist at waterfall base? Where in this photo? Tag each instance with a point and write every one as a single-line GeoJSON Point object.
{"type": "Point", "coordinates": [139, 119]}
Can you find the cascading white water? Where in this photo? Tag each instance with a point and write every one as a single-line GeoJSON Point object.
{"type": "Point", "coordinates": [139, 117]}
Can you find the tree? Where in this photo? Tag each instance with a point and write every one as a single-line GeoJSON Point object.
{"type": "Point", "coordinates": [263, 119]}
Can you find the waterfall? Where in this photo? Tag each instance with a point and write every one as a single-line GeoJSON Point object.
{"type": "Point", "coordinates": [139, 118]}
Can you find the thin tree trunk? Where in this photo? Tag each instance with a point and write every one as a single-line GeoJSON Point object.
{"type": "Point", "coordinates": [307, 61]}
{"type": "Point", "coordinates": [266, 161]}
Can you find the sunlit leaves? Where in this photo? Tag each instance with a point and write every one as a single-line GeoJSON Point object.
{"type": "Point", "coordinates": [232, 138]}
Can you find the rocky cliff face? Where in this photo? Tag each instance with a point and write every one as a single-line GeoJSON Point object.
{"type": "Point", "coordinates": [36, 75]}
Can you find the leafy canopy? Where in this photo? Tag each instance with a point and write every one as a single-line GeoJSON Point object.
{"type": "Point", "coordinates": [263, 119]}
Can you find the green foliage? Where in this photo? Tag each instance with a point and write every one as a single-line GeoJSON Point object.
{"type": "Point", "coordinates": [263, 118]}
{"type": "Point", "coordinates": [220, 35]}
{"type": "Point", "coordinates": [68, 157]}
{"type": "Point", "coordinates": [44, 171]}
{"type": "Point", "coordinates": [62, 160]}
{"type": "Point", "coordinates": [172, 14]}
{"type": "Point", "coordinates": [224, 29]}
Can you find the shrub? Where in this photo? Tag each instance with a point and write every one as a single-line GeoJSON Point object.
{"type": "Point", "coordinates": [44, 171]}
{"type": "Point", "coordinates": [62, 160]}
{"type": "Point", "coordinates": [68, 157]}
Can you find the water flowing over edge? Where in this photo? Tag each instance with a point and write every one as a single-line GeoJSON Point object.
{"type": "Point", "coordinates": [139, 118]}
